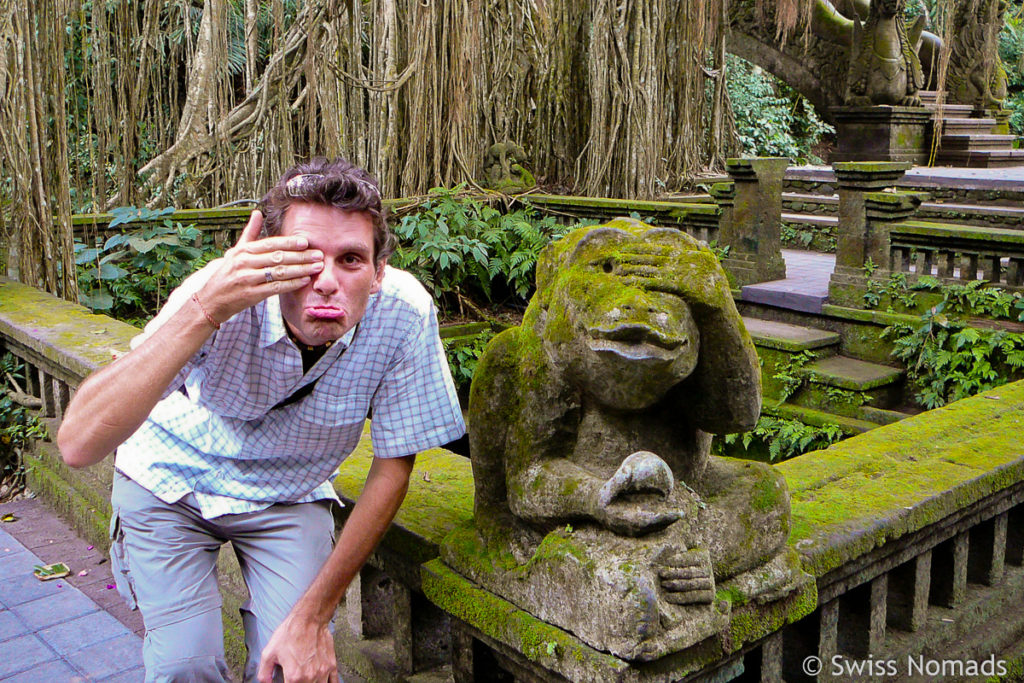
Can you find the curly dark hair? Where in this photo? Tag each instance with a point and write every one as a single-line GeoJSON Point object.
{"type": "Point", "coordinates": [338, 183]}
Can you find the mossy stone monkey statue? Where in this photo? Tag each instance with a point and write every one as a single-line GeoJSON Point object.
{"type": "Point", "coordinates": [598, 413]}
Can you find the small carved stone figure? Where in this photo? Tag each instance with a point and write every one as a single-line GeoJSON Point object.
{"type": "Point", "coordinates": [504, 170]}
{"type": "Point", "coordinates": [976, 75]}
{"type": "Point", "coordinates": [597, 500]}
{"type": "Point", "coordinates": [884, 66]}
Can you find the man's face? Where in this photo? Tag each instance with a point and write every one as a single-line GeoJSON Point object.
{"type": "Point", "coordinates": [335, 300]}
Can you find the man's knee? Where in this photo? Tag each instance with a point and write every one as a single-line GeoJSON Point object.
{"type": "Point", "coordinates": [201, 669]}
{"type": "Point", "coordinates": [186, 651]}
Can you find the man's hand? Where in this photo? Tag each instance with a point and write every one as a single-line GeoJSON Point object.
{"type": "Point", "coordinates": [255, 269]}
{"type": "Point", "coordinates": [303, 649]}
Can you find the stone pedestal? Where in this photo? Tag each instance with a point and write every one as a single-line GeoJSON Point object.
{"type": "Point", "coordinates": [489, 631]}
{"type": "Point", "coordinates": [751, 220]}
{"type": "Point", "coordinates": [865, 212]}
{"type": "Point", "coordinates": [883, 133]}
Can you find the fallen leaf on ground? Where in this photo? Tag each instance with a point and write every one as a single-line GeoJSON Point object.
{"type": "Point", "coordinates": [49, 572]}
{"type": "Point", "coordinates": [8, 518]}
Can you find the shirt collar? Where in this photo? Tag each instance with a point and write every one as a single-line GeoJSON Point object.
{"type": "Point", "coordinates": [272, 329]}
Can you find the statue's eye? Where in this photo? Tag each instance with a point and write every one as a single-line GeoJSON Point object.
{"type": "Point", "coordinates": [608, 265]}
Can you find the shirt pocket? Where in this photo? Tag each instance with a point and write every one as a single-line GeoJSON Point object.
{"type": "Point", "coordinates": [327, 407]}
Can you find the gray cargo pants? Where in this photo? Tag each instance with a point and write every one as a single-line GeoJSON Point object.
{"type": "Point", "coordinates": [164, 558]}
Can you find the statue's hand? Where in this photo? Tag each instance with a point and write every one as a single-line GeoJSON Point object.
{"type": "Point", "coordinates": [632, 501]}
{"type": "Point", "coordinates": [636, 518]}
{"type": "Point", "coordinates": [641, 472]}
{"type": "Point", "coordinates": [686, 577]}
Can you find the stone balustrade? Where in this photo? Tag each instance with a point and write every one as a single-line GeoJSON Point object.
{"type": "Point", "coordinates": [914, 533]}
{"type": "Point", "coordinates": [958, 254]}
{"type": "Point", "coordinates": [880, 235]}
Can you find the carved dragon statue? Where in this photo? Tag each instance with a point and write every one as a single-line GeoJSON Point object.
{"type": "Point", "coordinates": [884, 66]}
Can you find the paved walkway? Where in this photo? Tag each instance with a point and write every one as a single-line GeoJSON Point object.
{"type": "Point", "coordinates": [805, 287]}
{"type": "Point", "coordinates": [1011, 178]}
{"type": "Point", "coordinates": [52, 630]}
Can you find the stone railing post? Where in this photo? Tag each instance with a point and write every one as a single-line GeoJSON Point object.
{"type": "Point", "coordinates": [752, 226]}
{"type": "Point", "coordinates": [860, 240]}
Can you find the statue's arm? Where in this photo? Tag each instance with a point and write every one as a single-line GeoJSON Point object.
{"type": "Point", "coordinates": [553, 491]}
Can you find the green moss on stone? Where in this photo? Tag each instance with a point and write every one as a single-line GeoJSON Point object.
{"type": "Point", "coordinates": [900, 478]}
{"type": "Point", "coordinates": [439, 475]}
{"type": "Point", "coordinates": [551, 647]}
{"type": "Point", "coordinates": [767, 495]}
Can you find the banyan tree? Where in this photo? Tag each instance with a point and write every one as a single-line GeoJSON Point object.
{"type": "Point", "coordinates": [200, 102]}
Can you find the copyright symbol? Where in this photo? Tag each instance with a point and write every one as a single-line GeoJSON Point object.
{"type": "Point", "coordinates": [812, 666]}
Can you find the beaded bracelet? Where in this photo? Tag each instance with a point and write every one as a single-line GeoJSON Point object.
{"type": "Point", "coordinates": [206, 314]}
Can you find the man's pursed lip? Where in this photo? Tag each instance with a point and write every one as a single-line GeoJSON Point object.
{"type": "Point", "coordinates": [325, 312]}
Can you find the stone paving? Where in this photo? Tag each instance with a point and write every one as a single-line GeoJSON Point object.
{"type": "Point", "coordinates": [991, 178]}
{"type": "Point", "coordinates": [53, 631]}
{"type": "Point", "coordinates": [805, 287]}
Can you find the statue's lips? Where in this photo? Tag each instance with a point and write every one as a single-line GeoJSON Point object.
{"type": "Point", "coordinates": [634, 341]}
{"type": "Point", "coordinates": [325, 312]}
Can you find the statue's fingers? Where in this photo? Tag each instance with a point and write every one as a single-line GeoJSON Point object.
{"type": "Point", "coordinates": [699, 597]}
{"type": "Point", "coordinates": [686, 572]}
{"type": "Point", "coordinates": [686, 585]}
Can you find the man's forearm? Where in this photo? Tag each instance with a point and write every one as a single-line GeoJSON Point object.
{"type": "Point", "coordinates": [302, 645]}
{"type": "Point", "coordinates": [385, 489]}
{"type": "Point", "coordinates": [113, 402]}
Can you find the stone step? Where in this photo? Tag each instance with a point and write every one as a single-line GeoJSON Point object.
{"type": "Point", "coordinates": [780, 336]}
{"type": "Point", "coordinates": [929, 98]}
{"type": "Point", "coordinates": [818, 210]}
{"type": "Point", "coordinates": [957, 126]}
{"type": "Point", "coordinates": [811, 219]}
{"type": "Point", "coordinates": [974, 214]}
{"type": "Point", "coordinates": [787, 294]}
{"type": "Point", "coordinates": [849, 373]}
{"type": "Point", "coordinates": [976, 141]}
{"type": "Point", "coordinates": [818, 418]}
{"type": "Point", "coordinates": [982, 158]}
{"type": "Point", "coordinates": [847, 386]}
{"type": "Point", "coordinates": [793, 199]}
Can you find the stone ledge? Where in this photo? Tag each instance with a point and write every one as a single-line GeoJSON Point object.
{"type": "Point", "coordinates": [67, 335]}
{"type": "Point", "coordinates": [897, 479]}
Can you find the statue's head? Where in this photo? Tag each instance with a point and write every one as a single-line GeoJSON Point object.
{"type": "Point", "coordinates": [615, 307]}
{"type": "Point", "coordinates": [887, 8]}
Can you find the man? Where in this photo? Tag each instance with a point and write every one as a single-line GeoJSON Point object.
{"type": "Point", "coordinates": [233, 410]}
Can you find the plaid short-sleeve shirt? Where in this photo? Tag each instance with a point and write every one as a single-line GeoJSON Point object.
{"type": "Point", "coordinates": [220, 433]}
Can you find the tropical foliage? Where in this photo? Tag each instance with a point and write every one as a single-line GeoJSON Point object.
{"type": "Point", "coordinates": [949, 355]}
{"type": "Point", "coordinates": [130, 274]}
{"type": "Point", "coordinates": [772, 119]}
{"type": "Point", "coordinates": [465, 250]}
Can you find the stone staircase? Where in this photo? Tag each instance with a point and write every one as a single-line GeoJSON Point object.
{"type": "Point", "coordinates": [823, 386]}
{"type": "Point", "coordinates": [813, 218]}
{"type": "Point", "coordinates": [972, 140]}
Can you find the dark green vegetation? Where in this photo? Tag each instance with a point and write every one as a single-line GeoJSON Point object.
{"type": "Point", "coordinates": [1011, 50]}
{"type": "Point", "coordinates": [130, 274]}
{"type": "Point", "coordinates": [776, 439]}
{"type": "Point", "coordinates": [18, 427]}
{"type": "Point", "coordinates": [772, 119]}
{"type": "Point", "coordinates": [469, 253]}
{"type": "Point", "coordinates": [949, 355]}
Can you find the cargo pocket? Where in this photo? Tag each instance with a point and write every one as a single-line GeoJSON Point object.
{"type": "Point", "coordinates": [119, 562]}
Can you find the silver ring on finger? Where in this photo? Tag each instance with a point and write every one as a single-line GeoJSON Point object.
{"type": "Point", "coordinates": [268, 275]}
